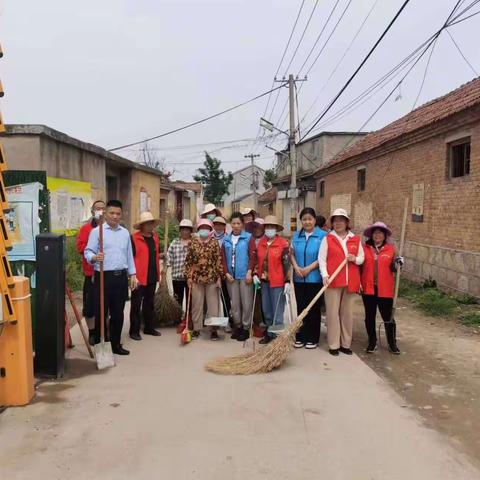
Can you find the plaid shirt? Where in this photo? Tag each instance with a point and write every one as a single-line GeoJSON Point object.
{"type": "Point", "coordinates": [176, 259]}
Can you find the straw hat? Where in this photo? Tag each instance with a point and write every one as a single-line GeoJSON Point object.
{"type": "Point", "coordinates": [339, 212]}
{"type": "Point", "coordinates": [369, 230]}
{"type": "Point", "coordinates": [210, 207]}
{"type": "Point", "coordinates": [219, 220]}
{"type": "Point", "coordinates": [204, 221]}
{"type": "Point", "coordinates": [272, 220]}
{"type": "Point", "coordinates": [185, 223]}
{"type": "Point", "coordinates": [144, 218]}
{"type": "Point", "coordinates": [248, 211]}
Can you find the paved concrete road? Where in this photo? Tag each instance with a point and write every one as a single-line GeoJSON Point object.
{"type": "Point", "coordinates": [159, 415]}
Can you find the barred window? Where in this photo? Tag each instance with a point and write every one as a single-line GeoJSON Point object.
{"type": "Point", "coordinates": [459, 158]}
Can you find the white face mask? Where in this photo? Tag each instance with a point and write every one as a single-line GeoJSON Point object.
{"type": "Point", "coordinates": [211, 216]}
{"type": "Point", "coordinates": [270, 232]}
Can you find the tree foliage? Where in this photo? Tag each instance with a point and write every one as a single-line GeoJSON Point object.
{"type": "Point", "coordinates": [269, 177]}
{"type": "Point", "coordinates": [214, 180]}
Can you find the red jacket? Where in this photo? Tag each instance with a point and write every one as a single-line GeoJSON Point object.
{"type": "Point", "coordinates": [385, 279]}
{"type": "Point", "coordinates": [336, 255]}
{"type": "Point", "coordinates": [276, 275]}
{"type": "Point", "coordinates": [140, 256]}
{"type": "Point", "coordinates": [82, 240]}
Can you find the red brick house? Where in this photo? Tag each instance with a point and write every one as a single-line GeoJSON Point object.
{"type": "Point", "coordinates": [431, 156]}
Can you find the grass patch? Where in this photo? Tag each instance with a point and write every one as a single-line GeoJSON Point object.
{"type": "Point", "coordinates": [471, 318]}
{"type": "Point", "coordinates": [73, 267]}
{"type": "Point", "coordinates": [428, 299]}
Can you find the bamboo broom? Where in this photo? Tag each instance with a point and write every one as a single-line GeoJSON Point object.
{"type": "Point", "coordinates": [274, 353]}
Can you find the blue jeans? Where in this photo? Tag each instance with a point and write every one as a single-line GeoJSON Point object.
{"type": "Point", "coordinates": [273, 300]}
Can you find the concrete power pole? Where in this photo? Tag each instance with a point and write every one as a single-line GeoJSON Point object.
{"type": "Point", "coordinates": [293, 155]}
{"type": "Point", "coordinates": [254, 180]}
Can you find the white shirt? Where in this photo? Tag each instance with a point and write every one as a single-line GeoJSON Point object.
{"type": "Point", "coordinates": [235, 239]}
{"type": "Point", "coordinates": [323, 252]}
{"type": "Point", "coordinates": [307, 234]}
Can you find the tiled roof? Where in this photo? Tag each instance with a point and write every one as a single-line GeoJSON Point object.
{"type": "Point", "coordinates": [193, 186]}
{"type": "Point", "coordinates": [268, 196]}
{"type": "Point", "coordinates": [460, 99]}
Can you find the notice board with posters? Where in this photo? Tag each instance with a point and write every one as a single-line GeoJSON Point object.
{"type": "Point", "coordinates": [70, 202]}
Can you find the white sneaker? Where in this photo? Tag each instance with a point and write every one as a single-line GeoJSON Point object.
{"type": "Point", "coordinates": [298, 345]}
{"type": "Point", "coordinates": [311, 346]}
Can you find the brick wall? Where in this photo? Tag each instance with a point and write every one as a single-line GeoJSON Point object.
{"type": "Point", "coordinates": [451, 221]}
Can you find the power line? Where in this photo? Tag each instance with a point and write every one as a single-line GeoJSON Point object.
{"type": "Point", "coordinates": [197, 122]}
{"type": "Point", "coordinates": [341, 59]}
{"type": "Point", "coordinates": [461, 53]}
{"type": "Point", "coordinates": [405, 3]}
{"type": "Point", "coordinates": [425, 73]}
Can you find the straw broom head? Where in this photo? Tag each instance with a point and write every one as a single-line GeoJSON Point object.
{"type": "Point", "coordinates": [167, 310]}
{"type": "Point", "coordinates": [273, 354]}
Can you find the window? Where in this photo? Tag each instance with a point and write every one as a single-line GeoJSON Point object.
{"type": "Point", "coordinates": [361, 177]}
{"type": "Point", "coordinates": [321, 188]}
{"type": "Point", "coordinates": [220, 204]}
{"type": "Point", "coordinates": [459, 158]}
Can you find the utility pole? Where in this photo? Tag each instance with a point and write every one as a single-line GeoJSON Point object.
{"type": "Point", "coordinates": [293, 155]}
{"type": "Point", "coordinates": [251, 156]}
{"type": "Point", "coordinates": [292, 193]}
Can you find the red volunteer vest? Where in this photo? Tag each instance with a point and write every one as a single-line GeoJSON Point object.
{"type": "Point", "coordinates": [385, 280]}
{"type": "Point", "coordinates": [141, 257]}
{"type": "Point", "coordinates": [82, 240]}
{"type": "Point", "coordinates": [276, 276]}
{"type": "Point", "coordinates": [335, 257]}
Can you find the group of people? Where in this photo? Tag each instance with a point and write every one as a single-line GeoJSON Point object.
{"type": "Point", "coordinates": [242, 270]}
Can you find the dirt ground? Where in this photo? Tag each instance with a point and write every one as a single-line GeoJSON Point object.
{"type": "Point", "coordinates": [438, 373]}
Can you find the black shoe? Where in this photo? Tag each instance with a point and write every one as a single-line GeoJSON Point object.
{"type": "Point", "coordinates": [346, 351]}
{"type": "Point", "coordinates": [243, 335]}
{"type": "Point", "coordinates": [236, 332]}
{"type": "Point", "coordinates": [371, 347]}
{"type": "Point", "coordinates": [214, 336]}
{"type": "Point", "coordinates": [135, 336]}
{"type": "Point", "coordinates": [195, 334]}
{"type": "Point", "coordinates": [266, 339]}
{"type": "Point", "coordinates": [153, 333]}
{"type": "Point", "coordinates": [333, 351]}
{"type": "Point", "coordinates": [394, 349]}
{"type": "Point", "coordinates": [120, 351]}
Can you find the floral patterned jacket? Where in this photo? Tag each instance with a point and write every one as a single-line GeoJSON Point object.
{"type": "Point", "coordinates": [203, 262]}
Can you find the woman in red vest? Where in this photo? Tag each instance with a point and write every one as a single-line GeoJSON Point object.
{"type": "Point", "coordinates": [272, 267]}
{"type": "Point", "coordinates": [145, 245]}
{"type": "Point", "coordinates": [378, 284]}
{"type": "Point", "coordinates": [338, 245]}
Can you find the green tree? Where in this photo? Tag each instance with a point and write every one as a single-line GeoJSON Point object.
{"type": "Point", "coordinates": [269, 177]}
{"type": "Point", "coordinates": [214, 180]}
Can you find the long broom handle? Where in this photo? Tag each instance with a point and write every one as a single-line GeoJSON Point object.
{"type": "Point", "coordinates": [79, 320]}
{"type": "Point", "coordinates": [102, 298]}
{"type": "Point", "coordinates": [321, 292]}
{"type": "Point", "coordinates": [400, 252]}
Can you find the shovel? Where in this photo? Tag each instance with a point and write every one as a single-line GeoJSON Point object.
{"type": "Point", "coordinates": [103, 350]}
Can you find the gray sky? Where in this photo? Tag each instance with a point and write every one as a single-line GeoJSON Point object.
{"type": "Point", "coordinates": [116, 71]}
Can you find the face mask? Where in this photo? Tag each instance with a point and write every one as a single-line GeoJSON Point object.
{"type": "Point", "coordinates": [203, 233]}
{"type": "Point", "coordinates": [270, 232]}
{"type": "Point", "coordinates": [211, 217]}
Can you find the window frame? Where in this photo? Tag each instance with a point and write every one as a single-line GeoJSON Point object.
{"type": "Point", "coordinates": [321, 188]}
{"type": "Point", "coordinates": [466, 161]}
{"type": "Point", "coordinates": [361, 176]}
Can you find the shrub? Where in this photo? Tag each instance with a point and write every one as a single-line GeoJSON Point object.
{"type": "Point", "coordinates": [433, 302]}
{"type": "Point", "coordinates": [471, 318]}
{"type": "Point", "coordinates": [73, 267]}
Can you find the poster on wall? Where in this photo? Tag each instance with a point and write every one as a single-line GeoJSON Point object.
{"type": "Point", "coordinates": [145, 200]}
{"type": "Point", "coordinates": [23, 220]}
{"type": "Point", "coordinates": [70, 202]}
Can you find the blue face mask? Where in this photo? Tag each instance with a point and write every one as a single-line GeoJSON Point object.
{"type": "Point", "coordinates": [270, 232]}
{"type": "Point", "coordinates": [211, 216]}
{"type": "Point", "coordinates": [203, 233]}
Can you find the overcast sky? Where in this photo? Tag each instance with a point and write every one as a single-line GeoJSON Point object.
{"type": "Point", "coordinates": [112, 72]}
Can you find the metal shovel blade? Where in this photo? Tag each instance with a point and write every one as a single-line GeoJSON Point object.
{"type": "Point", "coordinates": [104, 355]}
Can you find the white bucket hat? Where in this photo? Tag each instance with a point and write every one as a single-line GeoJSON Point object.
{"type": "Point", "coordinates": [144, 218]}
{"type": "Point", "coordinates": [219, 220]}
{"type": "Point", "coordinates": [339, 212]}
{"type": "Point", "coordinates": [210, 207]}
{"type": "Point", "coordinates": [185, 223]}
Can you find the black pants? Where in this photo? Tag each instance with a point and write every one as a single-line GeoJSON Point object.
{"type": "Point", "coordinates": [142, 298]}
{"type": "Point", "coordinates": [385, 306]}
{"type": "Point", "coordinates": [180, 288]}
{"type": "Point", "coordinates": [88, 310]}
{"type": "Point", "coordinates": [116, 294]}
{"type": "Point", "coordinates": [310, 330]}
